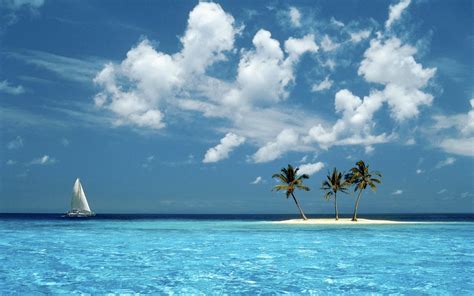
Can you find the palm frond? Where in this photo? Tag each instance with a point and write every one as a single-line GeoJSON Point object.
{"type": "Point", "coordinates": [280, 187]}
{"type": "Point", "coordinates": [303, 176]}
{"type": "Point", "coordinates": [328, 195]}
{"type": "Point", "coordinates": [375, 180]}
{"type": "Point", "coordinates": [303, 187]}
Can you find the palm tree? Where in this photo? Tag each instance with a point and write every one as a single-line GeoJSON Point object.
{"type": "Point", "coordinates": [289, 181]}
{"type": "Point", "coordinates": [332, 185]}
{"type": "Point", "coordinates": [361, 178]}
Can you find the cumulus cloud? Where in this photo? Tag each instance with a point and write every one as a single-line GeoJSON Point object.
{"type": "Point", "coordinates": [16, 143]}
{"type": "Point", "coordinates": [285, 141]}
{"type": "Point", "coordinates": [148, 83]}
{"type": "Point", "coordinates": [310, 168]}
{"type": "Point", "coordinates": [222, 150]}
{"type": "Point", "coordinates": [295, 17]}
{"type": "Point", "coordinates": [354, 127]}
{"type": "Point", "coordinates": [257, 180]}
{"type": "Point", "coordinates": [459, 128]}
{"type": "Point", "coordinates": [44, 160]}
{"type": "Point", "coordinates": [157, 76]}
{"type": "Point", "coordinates": [397, 192]}
{"type": "Point", "coordinates": [322, 85]}
{"type": "Point", "coordinates": [392, 64]}
{"type": "Point", "coordinates": [395, 12]}
{"type": "Point", "coordinates": [264, 73]}
{"type": "Point", "coordinates": [419, 171]}
{"type": "Point", "coordinates": [459, 146]}
{"type": "Point", "coordinates": [448, 161]}
{"type": "Point", "coordinates": [442, 191]}
{"type": "Point", "coordinates": [357, 37]}
{"type": "Point", "coordinates": [6, 87]}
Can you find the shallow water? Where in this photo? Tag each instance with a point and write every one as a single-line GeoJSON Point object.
{"type": "Point", "coordinates": [231, 256]}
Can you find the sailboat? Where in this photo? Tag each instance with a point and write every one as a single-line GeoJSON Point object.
{"type": "Point", "coordinates": [79, 205]}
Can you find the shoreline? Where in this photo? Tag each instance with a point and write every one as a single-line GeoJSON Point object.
{"type": "Point", "coordinates": [341, 221]}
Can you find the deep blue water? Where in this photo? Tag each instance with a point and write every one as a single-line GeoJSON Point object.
{"type": "Point", "coordinates": [234, 254]}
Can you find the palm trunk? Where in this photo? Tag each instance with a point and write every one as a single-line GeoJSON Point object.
{"type": "Point", "coordinates": [354, 218]}
{"type": "Point", "coordinates": [299, 208]}
{"type": "Point", "coordinates": [335, 207]}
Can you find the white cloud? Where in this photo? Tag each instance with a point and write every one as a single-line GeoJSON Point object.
{"type": "Point", "coordinates": [354, 128]}
{"type": "Point", "coordinates": [397, 192]}
{"type": "Point", "coordinates": [464, 123]}
{"type": "Point", "coordinates": [330, 63]}
{"type": "Point", "coordinates": [448, 161]}
{"type": "Point", "coordinates": [327, 44]}
{"type": "Point", "coordinates": [157, 76]}
{"type": "Point", "coordinates": [392, 64]}
{"type": "Point", "coordinates": [396, 12]}
{"type": "Point", "coordinates": [222, 150]}
{"type": "Point", "coordinates": [296, 47]}
{"type": "Point", "coordinates": [16, 143]}
{"type": "Point", "coordinates": [295, 17]}
{"type": "Point", "coordinates": [264, 73]}
{"type": "Point", "coordinates": [6, 87]}
{"type": "Point", "coordinates": [209, 34]}
{"type": "Point", "coordinates": [310, 168]}
{"type": "Point", "coordinates": [257, 180]}
{"type": "Point", "coordinates": [285, 141]}
{"type": "Point", "coordinates": [322, 85]}
{"type": "Point", "coordinates": [148, 81]}
{"type": "Point", "coordinates": [460, 146]}
{"type": "Point", "coordinates": [461, 140]}
{"type": "Point", "coordinates": [44, 160]}
{"type": "Point", "coordinates": [410, 142]}
{"type": "Point", "coordinates": [357, 37]}
{"type": "Point", "coordinates": [336, 22]}
{"type": "Point", "coordinates": [419, 171]}
{"type": "Point", "coordinates": [442, 191]}
{"type": "Point", "coordinates": [72, 69]}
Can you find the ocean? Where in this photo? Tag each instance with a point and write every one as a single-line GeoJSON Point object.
{"type": "Point", "coordinates": [234, 254]}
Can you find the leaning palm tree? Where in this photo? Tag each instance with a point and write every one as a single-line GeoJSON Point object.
{"type": "Point", "coordinates": [332, 185]}
{"type": "Point", "coordinates": [361, 177]}
{"type": "Point", "coordinates": [289, 181]}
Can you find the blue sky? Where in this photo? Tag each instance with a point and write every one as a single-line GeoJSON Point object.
{"type": "Point", "coordinates": [190, 107]}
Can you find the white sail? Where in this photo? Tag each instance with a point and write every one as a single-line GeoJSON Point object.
{"type": "Point", "coordinates": [79, 200]}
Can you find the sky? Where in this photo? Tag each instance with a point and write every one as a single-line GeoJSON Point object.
{"type": "Point", "coordinates": [190, 107]}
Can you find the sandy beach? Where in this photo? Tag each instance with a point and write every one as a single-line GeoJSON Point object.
{"type": "Point", "coordinates": [344, 221]}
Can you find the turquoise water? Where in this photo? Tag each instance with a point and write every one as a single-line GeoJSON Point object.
{"type": "Point", "coordinates": [168, 256]}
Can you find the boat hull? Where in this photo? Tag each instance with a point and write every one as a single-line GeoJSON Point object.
{"type": "Point", "coordinates": [79, 214]}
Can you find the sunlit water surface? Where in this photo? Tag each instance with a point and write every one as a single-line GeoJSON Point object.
{"type": "Point", "coordinates": [185, 256]}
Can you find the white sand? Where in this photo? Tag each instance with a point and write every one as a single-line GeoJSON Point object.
{"type": "Point", "coordinates": [341, 221]}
